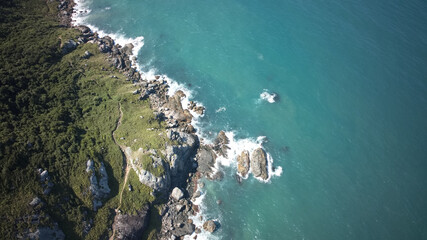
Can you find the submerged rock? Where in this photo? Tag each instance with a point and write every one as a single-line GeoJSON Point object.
{"type": "Point", "coordinates": [259, 163]}
{"type": "Point", "coordinates": [243, 163]}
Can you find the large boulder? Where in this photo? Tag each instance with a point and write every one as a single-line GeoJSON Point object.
{"type": "Point", "coordinates": [259, 163]}
{"type": "Point", "coordinates": [177, 194]}
{"type": "Point", "coordinates": [243, 163]}
{"type": "Point", "coordinates": [131, 226]}
{"type": "Point", "coordinates": [209, 226]}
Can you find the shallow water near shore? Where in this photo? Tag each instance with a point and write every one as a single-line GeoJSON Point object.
{"type": "Point", "coordinates": [348, 126]}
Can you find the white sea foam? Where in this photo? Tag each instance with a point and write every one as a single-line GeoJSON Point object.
{"type": "Point", "coordinates": [267, 96]}
{"type": "Point", "coordinates": [221, 109]}
{"type": "Point", "coordinates": [237, 146]}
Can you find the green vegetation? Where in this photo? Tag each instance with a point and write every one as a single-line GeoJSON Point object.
{"type": "Point", "coordinates": [58, 111]}
{"type": "Point", "coordinates": [148, 164]}
{"type": "Point", "coordinates": [151, 132]}
{"type": "Point", "coordinates": [138, 197]}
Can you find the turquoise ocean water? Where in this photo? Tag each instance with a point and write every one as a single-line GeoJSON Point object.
{"type": "Point", "coordinates": [352, 113]}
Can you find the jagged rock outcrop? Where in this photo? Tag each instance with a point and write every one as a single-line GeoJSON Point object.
{"type": "Point", "coordinates": [175, 222]}
{"type": "Point", "coordinates": [131, 226]}
{"type": "Point", "coordinates": [243, 163]}
{"type": "Point", "coordinates": [206, 158]}
{"type": "Point", "coordinates": [221, 144]}
{"type": "Point", "coordinates": [259, 163]}
{"type": "Point", "coordinates": [181, 157]}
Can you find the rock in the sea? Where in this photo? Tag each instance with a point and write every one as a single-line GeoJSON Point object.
{"type": "Point", "coordinates": [221, 144]}
{"type": "Point", "coordinates": [243, 163]}
{"type": "Point", "coordinates": [209, 226]}
{"type": "Point", "coordinates": [259, 163]}
{"type": "Point", "coordinates": [177, 194]}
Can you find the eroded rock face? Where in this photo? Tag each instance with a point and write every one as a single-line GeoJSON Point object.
{"type": "Point", "coordinates": [259, 163]}
{"type": "Point", "coordinates": [131, 226]}
{"type": "Point", "coordinates": [181, 157]}
{"type": "Point", "coordinates": [243, 163]}
{"type": "Point", "coordinates": [206, 158]}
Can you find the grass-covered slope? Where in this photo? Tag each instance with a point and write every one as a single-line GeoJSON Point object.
{"type": "Point", "coordinates": [57, 111]}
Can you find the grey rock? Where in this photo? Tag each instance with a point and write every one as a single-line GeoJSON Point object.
{"type": "Point", "coordinates": [206, 160]}
{"type": "Point", "coordinates": [209, 226]}
{"type": "Point", "coordinates": [258, 163]}
{"type": "Point", "coordinates": [177, 194]}
{"type": "Point", "coordinates": [44, 176]}
{"type": "Point", "coordinates": [36, 201]}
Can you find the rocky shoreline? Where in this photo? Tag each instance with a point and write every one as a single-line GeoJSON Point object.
{"type": "Point", "coordinates": [186, 162]}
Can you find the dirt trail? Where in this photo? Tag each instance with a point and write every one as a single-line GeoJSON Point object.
{"type": "Point", "coordinates": [125, 161]}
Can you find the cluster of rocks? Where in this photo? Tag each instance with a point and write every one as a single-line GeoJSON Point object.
{"type": "Point", "coordinates": [65, 9]}
{"type": "Point", "coordinates": [99, 189]}
{"type": "Point", "coordinates": [257, 163]}
{"type": "Point", "coordinates": [197, 109]}
{"type": "Point", "coordinates": [175, 216]}
{"type": "Point", "coordinates": [46, 181]}
{"type": "Point", "coordinates": [41, 225]}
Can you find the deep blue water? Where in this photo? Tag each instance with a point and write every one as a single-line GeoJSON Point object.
{"type": "Point", "coordinates": [352, 81]}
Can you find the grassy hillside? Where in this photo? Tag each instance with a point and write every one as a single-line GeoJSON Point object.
{"type": "Point", "coordinates": [57, 111]}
